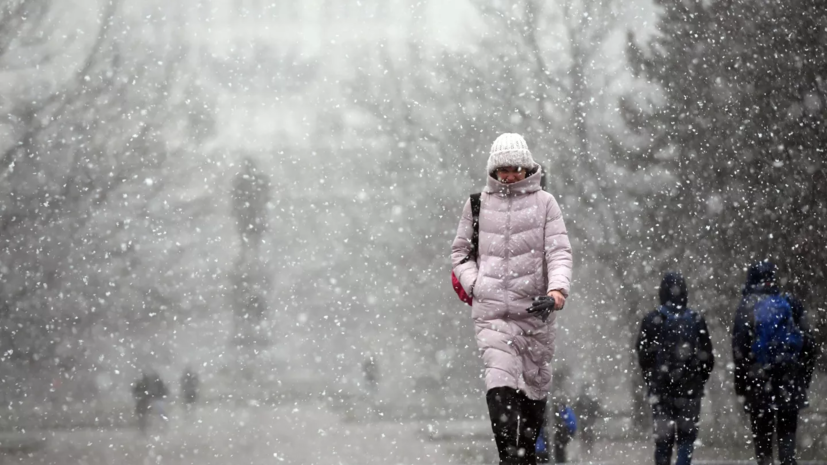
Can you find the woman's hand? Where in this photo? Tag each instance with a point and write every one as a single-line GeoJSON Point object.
{"type": "Point", "coordinates": [559, 299]}
{"type": "Point", "coordinates": [542, 306]}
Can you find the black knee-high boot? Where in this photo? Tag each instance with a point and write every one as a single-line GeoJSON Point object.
{"type": "Point", "coordinates": [534, 412]}
{"type": "Point", "coordinates": [516, 421]}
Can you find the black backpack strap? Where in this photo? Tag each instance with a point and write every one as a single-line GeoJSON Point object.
{"type": "Point", "coordinates": [475, 236]}
{"type": "Point", "coordinates": [476, 205]}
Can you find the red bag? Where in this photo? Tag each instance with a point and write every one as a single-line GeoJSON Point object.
{"type": "Point", "coordinates": [463, 296]}
{"type": "Point", "coordinates": [475, 239]}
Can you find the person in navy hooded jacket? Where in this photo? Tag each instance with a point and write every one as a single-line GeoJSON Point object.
{"type": "Point", "coordinates": [774, 354]}
{"type": "Point", "coordinates": [675, 354]}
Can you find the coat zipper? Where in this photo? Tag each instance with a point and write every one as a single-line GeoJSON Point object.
{"type": "Point", "coordinates": [507, 250]}
{"type": "Point", "coordinates": [518, 431]}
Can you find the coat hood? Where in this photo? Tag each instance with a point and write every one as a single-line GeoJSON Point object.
{"type": "Point", "coordinates": [673, 291]}
{"type": "Point", "coordinates": [761, 278]}
{"type": "Point", "coordinates": [530, 184]}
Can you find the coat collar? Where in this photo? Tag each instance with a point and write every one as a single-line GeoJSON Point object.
{"type": "Point", "coordinates": [526, 186]}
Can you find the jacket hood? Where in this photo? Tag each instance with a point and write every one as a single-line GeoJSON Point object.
{"type": "Point", "coordinates": [761, 278]}
{"type": "Point", "coordinates": [673, 291]}
{"type": "Point", "coordinates": [530, 184]}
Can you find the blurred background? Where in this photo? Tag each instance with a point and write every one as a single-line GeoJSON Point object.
{"type": "Point", "coordinates": [265, 191]}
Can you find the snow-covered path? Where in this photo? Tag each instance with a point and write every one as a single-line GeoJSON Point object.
{"type": "Point", "coordinates": [305, 434]}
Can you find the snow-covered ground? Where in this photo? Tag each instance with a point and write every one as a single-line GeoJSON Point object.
{"type": "Point", "coordinates": [297, 434]}
{"type": "Point", "coordinates": [311, 433]}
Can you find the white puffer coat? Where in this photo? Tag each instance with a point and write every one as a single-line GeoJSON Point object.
{"type": "Point", "coordinates": [524, 252]}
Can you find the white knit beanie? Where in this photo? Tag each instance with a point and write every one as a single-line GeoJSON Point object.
{"type": "Point", "coordinates": [510, 150]}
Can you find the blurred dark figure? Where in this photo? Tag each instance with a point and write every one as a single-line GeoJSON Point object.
{"type": "Point", "coordinates": [251, 192]}
{"type": "Point", "coordinates": [541, 447]}
{"type": "Point", "coordinates": [774, 354]}
{"type": "Point", "coordinates": [675, 354]}
{"type": "Point", "coordinates": [149, 392]}
{"type": "Point", "coordinates": [189, 388]}
{"type": "Point", "coordinates": [370, 368]}
{"type": "Point", "coordinates": [559, 423]}
{"type": "Point", "coordinates": [565, 427]}
{"type": "Point", "coordinates": [589, 410]}
{"type": "Point", "coordinates": [250, 196]}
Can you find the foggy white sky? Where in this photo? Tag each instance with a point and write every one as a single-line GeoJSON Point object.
{"type": "Point", "coordinates": [332, 34]}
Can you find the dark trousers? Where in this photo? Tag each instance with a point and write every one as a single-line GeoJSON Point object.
{"type": "Point", "coordinates": [675, 418]}
{"type": "Point", "coordinates": [560, 452]}
{"type": "Point", "coordinates": [766, 421]}
{"type": "Point", "coordinates": [516, 421]}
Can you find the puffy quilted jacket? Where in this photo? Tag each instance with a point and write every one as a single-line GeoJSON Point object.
{"type": "Point", "coordinates": [524, 251]}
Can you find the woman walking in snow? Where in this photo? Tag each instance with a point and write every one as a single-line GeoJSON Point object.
{"type": "Point", "coordinates": [518, 275]}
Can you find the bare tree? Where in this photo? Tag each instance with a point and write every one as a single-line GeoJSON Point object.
{"type": "Point", "coordinates": [81, 179]}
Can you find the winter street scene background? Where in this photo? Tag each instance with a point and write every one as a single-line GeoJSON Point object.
{"type": "Point", "coordinates": [249, 205]}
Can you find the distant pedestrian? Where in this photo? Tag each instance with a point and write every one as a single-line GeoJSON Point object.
{"type": "Point", "coordinates": [190, 385]}
{"type": "Point", "coordinates": [512, 261]}
{"type": "Point", "coordinates": [542, 445]}
{"type": "Point", "coordinates": [370, 368]}
{"type": "Point", "coordinates": [675, 354]}
{"type": "Point", "coordinates": [774, 353]}
{"type": "Point", "coordinates": [565, 428]}
{"type": "Point", "coordinates": [588, 410]}
{"type": "Point", "coordinates": [150, 393]}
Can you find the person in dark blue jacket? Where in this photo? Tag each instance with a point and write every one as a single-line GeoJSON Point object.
{"type": "Point", "coordinates": [675, 354]}
{"type": "Point", "coordinates": [774, 389]}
